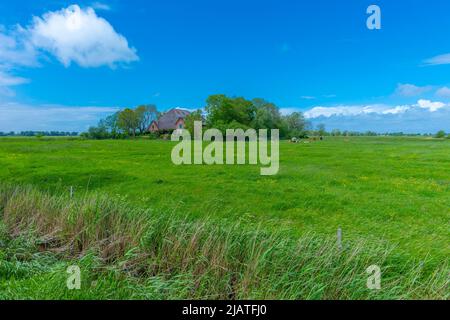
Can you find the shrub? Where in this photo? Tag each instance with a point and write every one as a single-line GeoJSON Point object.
{"type": "Point", "coordinates": [440, 134]}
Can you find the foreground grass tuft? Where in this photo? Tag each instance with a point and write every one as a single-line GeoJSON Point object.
{"type": "Point", "coordinates": [129, 252]}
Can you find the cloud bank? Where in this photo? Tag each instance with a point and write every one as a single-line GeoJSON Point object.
{"type": "Point", "coordinates": [21, 117]}
{"type": "Point", "coordinates": [425, 116]}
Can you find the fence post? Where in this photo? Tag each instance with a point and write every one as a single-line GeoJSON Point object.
{"type": "Point", "coordinates": [71, 192]}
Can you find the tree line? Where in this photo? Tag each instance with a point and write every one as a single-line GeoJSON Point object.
{"type": "Point", "coordinates": [124, 123]}
{"type": "Point", "coordinates": [39, 134]}
{"type": "Point", "coordinates": [223, 112]}
{"type": "Point", "coordinates": [338, 133]}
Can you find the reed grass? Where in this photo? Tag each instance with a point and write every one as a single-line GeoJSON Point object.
{"type": "Point", "coordinates": [143, 254]}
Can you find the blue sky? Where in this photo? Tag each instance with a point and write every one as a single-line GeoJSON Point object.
{"type": "Point", "coordinates": [317, 57]}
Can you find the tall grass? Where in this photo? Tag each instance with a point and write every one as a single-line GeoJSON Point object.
{"type": "Point", "coordinates": [211, 259]}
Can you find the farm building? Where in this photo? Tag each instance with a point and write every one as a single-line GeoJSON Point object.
{"type": "Point", "coordinates": [170, 120]}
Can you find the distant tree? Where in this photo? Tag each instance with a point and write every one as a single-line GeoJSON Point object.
{"type": "Point", "coordinates": [125, 122]}
{"type": "Point", "coordinates": [146, 114]}
{"type": "Point", "coordinates": [111, 124]}
{"type": "Point", "coordinates": [222, 109]}
{"type": "Point", "coordinates": [191, 118]}
{"type": "Point", "coordinates": [370, 133]}
{"type": "Point", "coordinates": [222, 126]}
{"type": "Point", "coordinates": [321, 131]}
{"type": "Point", "coordinates": [128, 121]}
{"type": "Point", "coordinates": [267, 115]}
{"type": "Point", "coordinates": [232, 113]}
{"type": "Point", "coordinates": [40, 133]}
{"type": "Point", "coordinates": [295, 125]}
{"type": "Point", "coordinates": [336, 132]}
{"type": "Point", "coordinates": [440, 134]}
{"type": "Point", "coordinates": [99, 133]}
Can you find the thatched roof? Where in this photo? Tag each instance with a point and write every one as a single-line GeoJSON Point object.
{"type": "Point", "coordinates": [168, 120]}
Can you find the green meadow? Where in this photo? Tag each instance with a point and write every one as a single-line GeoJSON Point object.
{"type": "Point", "coordinates": [384, 191]}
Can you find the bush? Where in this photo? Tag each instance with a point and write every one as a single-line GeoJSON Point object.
{"type": "Point", "coordinates": [153, 135]}
{"type": "Point", "coordinates": [440, 134]}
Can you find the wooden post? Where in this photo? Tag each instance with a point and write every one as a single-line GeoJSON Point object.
{"type": "Point", "coordinates": [71, 192]}
{"type": "Point", "coordinates": [339, 239]}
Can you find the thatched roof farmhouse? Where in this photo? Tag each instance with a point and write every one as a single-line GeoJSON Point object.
{"type": "Point", "coordinates": [170, 120]}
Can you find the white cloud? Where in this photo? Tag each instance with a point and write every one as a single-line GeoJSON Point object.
{"type": "Point", "coordinates": [431, 106]}
{"type": "Point", "coordinates": [443, 92]}
{"type": "Point", "coordinates": [80, 36]}
{"type": "Point", "coordinates": [308, 97]}
{"type": "Point", "coordinates": [101, 6]}
{"type": "Point", "coordinates": [396, 110]}
{"type": "Point", "coordinates": [72, 35]}
{"type": "Point", "coordinates": [423, 117]}
{"type": "Point", "coordinates": [438, 60]}
{"type": "Point", "coordinates": [378, 109]}
{"type": "Point", "coordinates": [8, 80]}
{"type": "Point", "coordinates": [331, 111]}
{"type": "Point", "coordinates": [15, 50]}
{"type": "Point", "coordinates": [410, 90]}
{"type": "Point", "coordinates": [14, 53]}
{"type": "Point", "coordinates": [320, 111]}
{"type": "Point", "coordinates": [22, 117]}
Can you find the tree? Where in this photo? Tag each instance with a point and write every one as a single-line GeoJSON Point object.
{"type": "Point", "coordinates": [191, 118]}
{"type": "Point", "coordinates": [440, 134]}
{"type": "Point", "coordinates": [267, 115]}
{"type": "Point", "coordinates": [224, 110]}
{"type": "Point", "coordinates": [99, 133]}
{"type": "Point", "coordinates": [128, 121]}
{"type": "Point", "coordinates": [321, 130]}
{"type": "Point", "coordinates": [226, 113]}
{"type": "Point", "coordinates": [370, 134]}
{"type": "Point", "coordinates": [111, 124]}
{"type": "Point", "coordinates": [146, 114]}
{"type": "Point", "coordinates": [295, 124]}
{"type": "Point", "coordinates": [336, 132]}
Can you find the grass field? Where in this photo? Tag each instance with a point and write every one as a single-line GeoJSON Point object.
{"type": "Point", "coordinates": [385, 191]}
